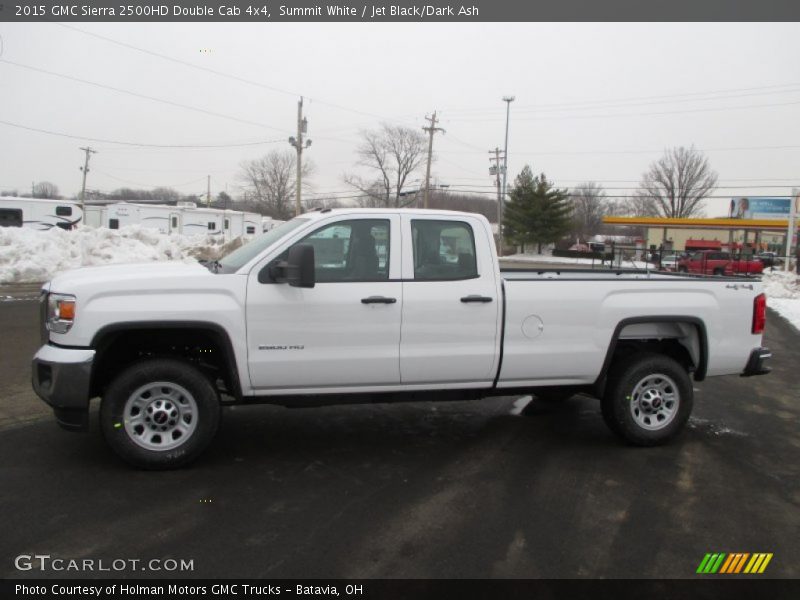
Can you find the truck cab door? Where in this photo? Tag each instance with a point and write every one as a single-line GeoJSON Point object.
{"type": "Point", "coordinates": [344, 333]}
{"type": "Point", "coordinates": [452, 303]}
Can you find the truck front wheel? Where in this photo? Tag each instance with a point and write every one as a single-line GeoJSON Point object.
{"type": "Point", "coordinates": [648, 399]}
{"type": "Point", "coordinates": [159, 414]}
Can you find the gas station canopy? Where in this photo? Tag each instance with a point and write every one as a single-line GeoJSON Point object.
{"type": "Point", "coordinates": [691, 223]}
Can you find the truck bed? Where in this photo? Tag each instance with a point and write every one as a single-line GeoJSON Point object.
{"type": "Point", "coordinates": [558, 332]}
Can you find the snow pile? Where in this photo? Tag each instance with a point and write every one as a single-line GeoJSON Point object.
{"type": "Point", "coordinates": [33, 256]}
{"type": "Point", "coordinates": [781, 284]}
{"type": "Point", "coordinates": [783, 294]}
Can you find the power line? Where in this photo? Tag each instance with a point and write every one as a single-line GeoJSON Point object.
{"type": "Point", "coordinates": [138, 95]}
{"type": "Point", "coordinates": [225, 75]}
{"type": "Point", "coordinates": [136, 144]}
{"type": "Point", "coordinates": [146, 185]}
{"type": "Point", "coordinates": [588, 103]}
{"type": "Point", "coordinates": [595, 152]}
{"type": "Point", "coordinates": [642, 114]}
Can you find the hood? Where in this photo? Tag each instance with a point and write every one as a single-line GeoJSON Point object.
{"type": "Point", "coordinates": [153, 273]}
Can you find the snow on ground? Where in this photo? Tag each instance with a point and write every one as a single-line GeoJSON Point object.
{"type": "Point", "coordinates": [547, 258]}
{"type": "Point", "coordinates": [783, 294]}
{"type": "Point", "coordinates": [33, 256]}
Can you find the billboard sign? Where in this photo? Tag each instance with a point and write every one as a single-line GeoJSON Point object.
{"type": "Point", "coordinates": [760, 208]}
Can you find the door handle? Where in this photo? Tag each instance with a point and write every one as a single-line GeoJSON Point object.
{"type": "Point", "coordinates": [476, 298]}
{"type": "Point", "coordinates": [378, 300]}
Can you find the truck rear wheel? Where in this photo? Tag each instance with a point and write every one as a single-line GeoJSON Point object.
{"type": "Point", "coordinates": [160, 414]}
{"type": "Point", "coordinates": [648, 399]}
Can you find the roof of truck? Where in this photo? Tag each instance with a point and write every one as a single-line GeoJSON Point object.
{"type": "Point", "coordinates": [387, 211]}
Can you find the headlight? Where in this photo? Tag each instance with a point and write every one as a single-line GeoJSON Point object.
{"type": "Point", "coordinates": [60, 312]}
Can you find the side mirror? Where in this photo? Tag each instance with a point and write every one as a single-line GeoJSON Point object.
{"type": "Point", "coordinates": [300, 266]}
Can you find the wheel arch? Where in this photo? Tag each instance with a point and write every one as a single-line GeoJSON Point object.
{"type": "Point", "coordinates": [688, 331]}
{"type": "Point", "coordinates": [112, 336]}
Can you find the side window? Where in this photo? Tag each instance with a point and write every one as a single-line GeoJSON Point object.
{"type": "Point", "coordinates": [212, 226]}
{"type": "Point", "coordinates": [356, 250]}
{"type": "Point", "coordinates": [10, 217]}
{"type": "Point", "coordinates": [113, 223]}
{"type": "Point", "coordinates": [697, 256]}
{"type": "Point", "coordinates": [227, 224]}
{"type": "Point", "coordinates": [63, 211]}
{"type": "Point", "coordinates": [251, 229]}
{"type": "Point", "coordinates": [174, 222]}
{"type": "Point", "coordinates": [443, 250]}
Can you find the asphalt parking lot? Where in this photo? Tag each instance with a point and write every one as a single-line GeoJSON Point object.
{"type": "Point", "coordinates": [462, 489]}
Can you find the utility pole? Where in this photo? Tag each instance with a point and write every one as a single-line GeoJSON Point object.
{"type": "Point", "coordinates": [432, 129]}
{"type": "Point", "coordinates": [497, 169]}
{"type": "Point", "coordinates": [302, 127]}
{"type": "Point", "coordinates": [85, 169]}
{"type": "Point", "coordinates": [208, 191]}
{"type": "Point", "coordinates": [791, 228]}
{"type": "Point", "coordinates": [508, 100]}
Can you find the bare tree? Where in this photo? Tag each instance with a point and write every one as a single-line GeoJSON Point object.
{"type": "Point", "coordinates": [45, 189]}
{"type": "Point", "coordinates": [270, 181]}
{"type": "Point", "coordinates": [392, 153]}
{"type": "Point", "coordinates": [676, 184]}
{"type": "Point", "coordinates": [589, 206]}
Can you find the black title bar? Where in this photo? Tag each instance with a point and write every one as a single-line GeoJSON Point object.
{"type": "Point", "coordinates": [263, 11]}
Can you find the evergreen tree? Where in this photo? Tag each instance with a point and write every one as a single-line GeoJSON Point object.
{"type": "Point", "coordinates": [536, 213]}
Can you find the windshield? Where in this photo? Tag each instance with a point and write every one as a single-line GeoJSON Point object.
{"type": "Point", "coordinates": [242, 255]}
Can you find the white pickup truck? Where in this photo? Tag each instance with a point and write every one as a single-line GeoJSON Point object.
{"type": "Point", "coordinates": [349, 305]}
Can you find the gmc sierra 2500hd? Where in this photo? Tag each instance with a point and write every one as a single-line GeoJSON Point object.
{"type": "Point", "coordinates": [349, 305]}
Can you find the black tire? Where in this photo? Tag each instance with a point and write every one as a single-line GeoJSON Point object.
{"type": "Point", "coordinates": [637, 400]}
{"type": "Point", "coordinates": [553, 395]}
{"type": "Point", "coordinates": [186, 406]}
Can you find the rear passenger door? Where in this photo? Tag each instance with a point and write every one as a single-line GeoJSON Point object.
{"type": "Point", "coordinates": [451, 303]}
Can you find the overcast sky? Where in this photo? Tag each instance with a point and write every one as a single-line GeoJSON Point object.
{"type": "Point", "coordinates": [593, 101]}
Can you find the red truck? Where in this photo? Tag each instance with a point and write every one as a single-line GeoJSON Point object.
{"type": "Point", "coordinates": [715, 262]}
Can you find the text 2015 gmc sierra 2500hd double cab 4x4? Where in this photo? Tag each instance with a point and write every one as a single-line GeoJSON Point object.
{"type": "Point", "coordinates": [353, 305]}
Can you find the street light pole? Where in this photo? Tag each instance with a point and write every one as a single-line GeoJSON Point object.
{"type": "Point", "coordinates": [791, 227]}
{"type": "Point", "coordinates": [508, 100]}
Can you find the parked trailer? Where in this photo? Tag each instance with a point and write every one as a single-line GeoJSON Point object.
{"type": "Point", "coordinates": [268, 223]}
{"type": "Point", "coordinates": [39, 214]}
{"type": "Point", "coordinates": [196, 221]}
{"type": "Point", "coordinates": [252, 224]}
{"type": "Point", "coordinates": [186, 218]}
{"type": "Point", "coordinates": [165, 219]}
{"type": "Point", "coordinates": [96, 215]}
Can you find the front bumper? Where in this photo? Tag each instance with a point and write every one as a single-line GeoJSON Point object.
{"type": "Point", "coordinates": [62, 378]}
{"type": "Point", "coordinates": [755, 365]}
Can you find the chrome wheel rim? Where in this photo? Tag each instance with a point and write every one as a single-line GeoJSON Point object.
{"type": "Point", "coordinates": [654, 402]}
{"type": "Point", "coordinates": [160, 416]}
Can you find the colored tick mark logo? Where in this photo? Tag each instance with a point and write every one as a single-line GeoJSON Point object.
{"type": "Point", "coordinates": [734, 563]}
